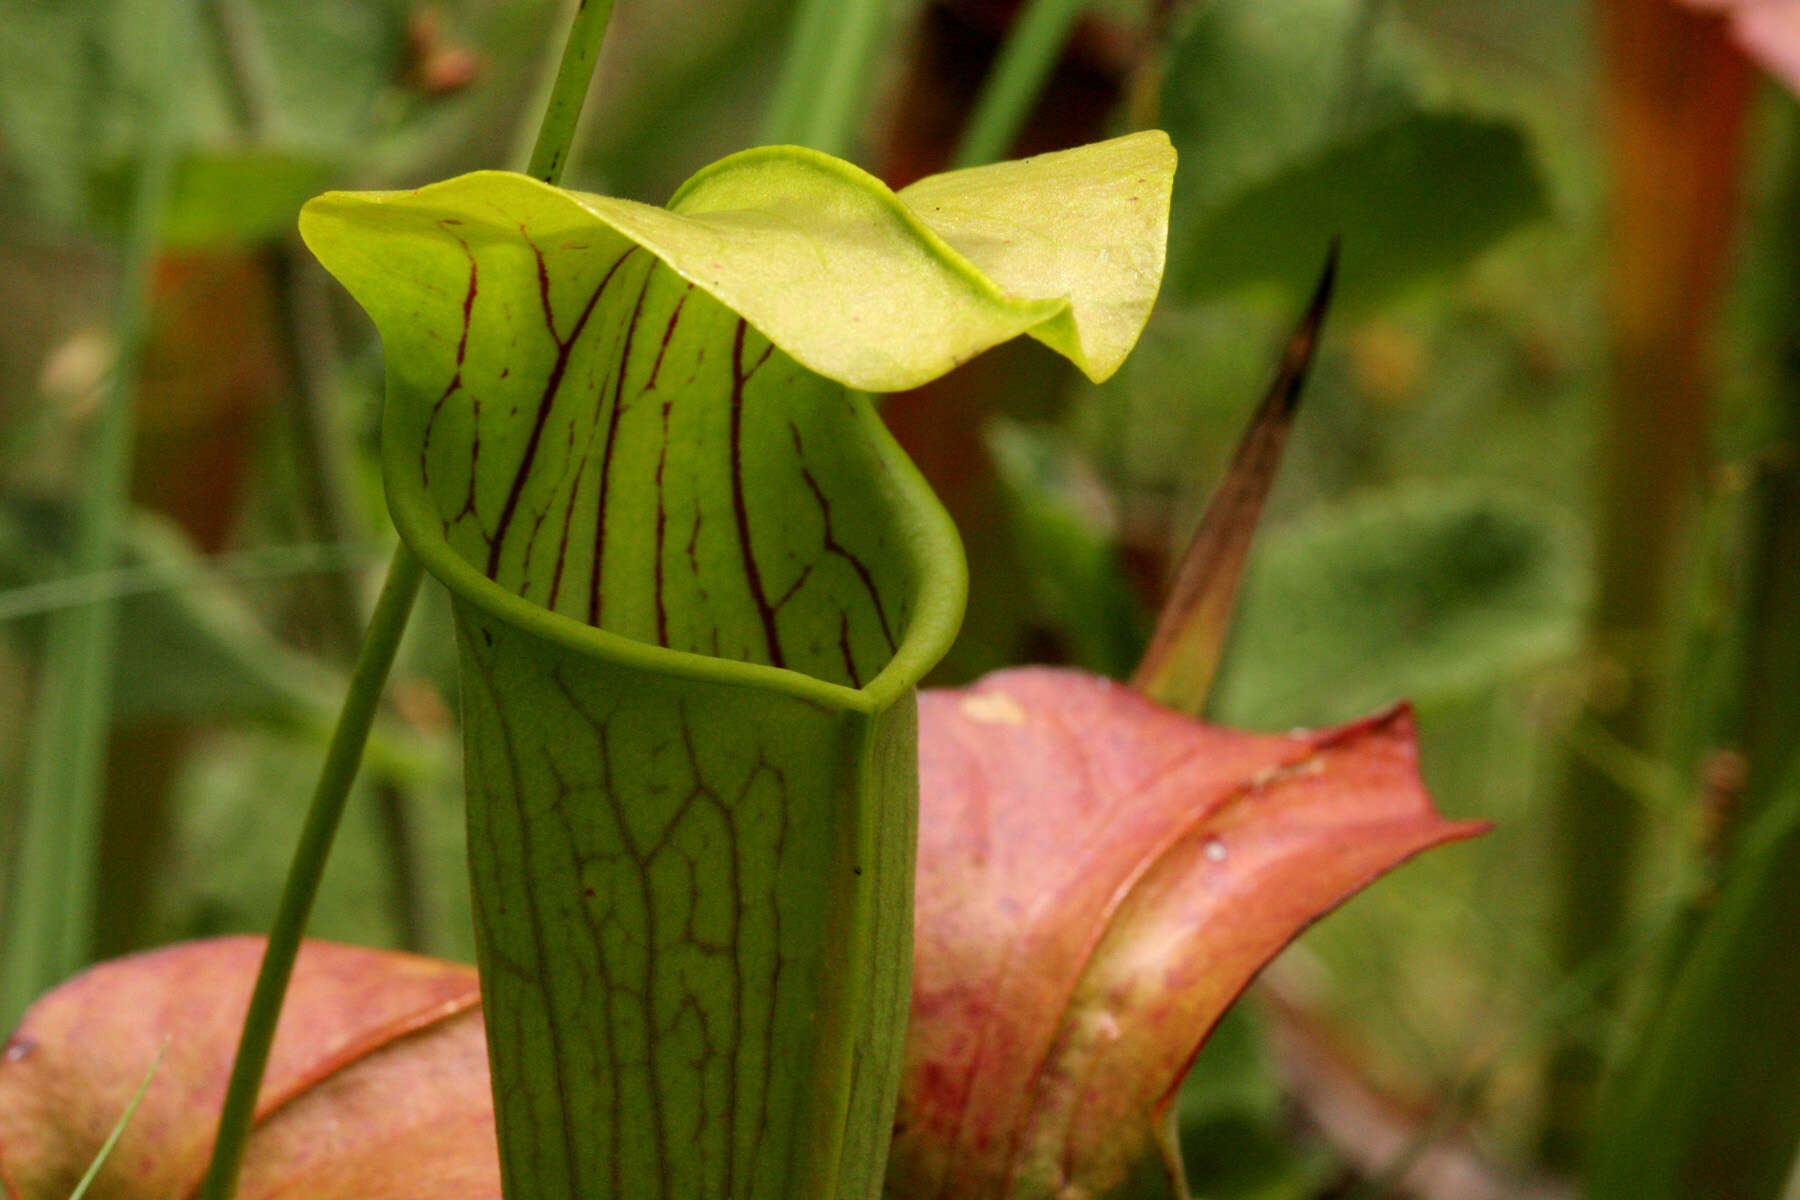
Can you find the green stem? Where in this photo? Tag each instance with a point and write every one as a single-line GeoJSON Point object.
{"type": "Point", "coordinates": [828, 76]}
{"type": "Point", "coordinates": [306, 344]}
{"type": "Point", "coordinates": [341, 761]}
{"type": "Point", "coordinates": [1705, 1107]}
{"type": "Point", "coordinates": [1702, 1107]}
{"type": "Point", "coordinates": [1030, 54]}
{"type": "Point", "coordinates": [548, 158]}
{"type": "Point", "coordinates": [1143, 90]}
{"type": "Point", "coordinates": [321, 473]}
{"type": "Point", "coordinates": [49, 918]}
{"type": "Point", "coordinates": [556, 134]}
{"type": "Point", "coordinates": [1676, 91]}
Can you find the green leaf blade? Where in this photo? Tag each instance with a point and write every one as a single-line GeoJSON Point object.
{"type": "Point", "coordinates": [1304, 120]}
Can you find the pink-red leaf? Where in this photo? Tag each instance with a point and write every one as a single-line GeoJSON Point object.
{"type": "Point", "coordinates": [1099, 877]}
{"type": "Point", "coordinates": [377, 1086]}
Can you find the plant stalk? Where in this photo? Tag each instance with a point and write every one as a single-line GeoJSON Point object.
{"type": "Point", "coordinates": [556, 133]}
{"type": "Point", "coordinates": [1675, 91]}
{"type": "Point", "coordinates": [828, 76]}
{"type": "Point", "coordinates": [320, 474]}
{"type": "Point", "coordinates": [1030, 54]}
{"type": "Point", "coordinates": [342, 758]}
{"type": "Point", "coordinates": [1703, 1107]}
{"type": "Point", "coordinates": [549, 157]}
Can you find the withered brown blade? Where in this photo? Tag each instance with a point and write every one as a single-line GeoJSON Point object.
{"type": "Point", "coordinates": [1178, 668]}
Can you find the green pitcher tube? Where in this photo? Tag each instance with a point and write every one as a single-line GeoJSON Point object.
{"type": "Point", "coordinates": [696, 584]}
{"type": "Point", "coordinates": [692, 872]}
{"type": "Point", "coordinates": [694, 900]}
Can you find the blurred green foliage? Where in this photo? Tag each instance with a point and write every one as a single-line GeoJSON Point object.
{"type": "Point", "coordinates": [1429, 593]}
{"type": "Point", "coordinates": [1428, 537]}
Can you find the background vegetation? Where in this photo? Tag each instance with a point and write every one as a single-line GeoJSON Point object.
{"type": "Point", "coordinates": [1543, 486]}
